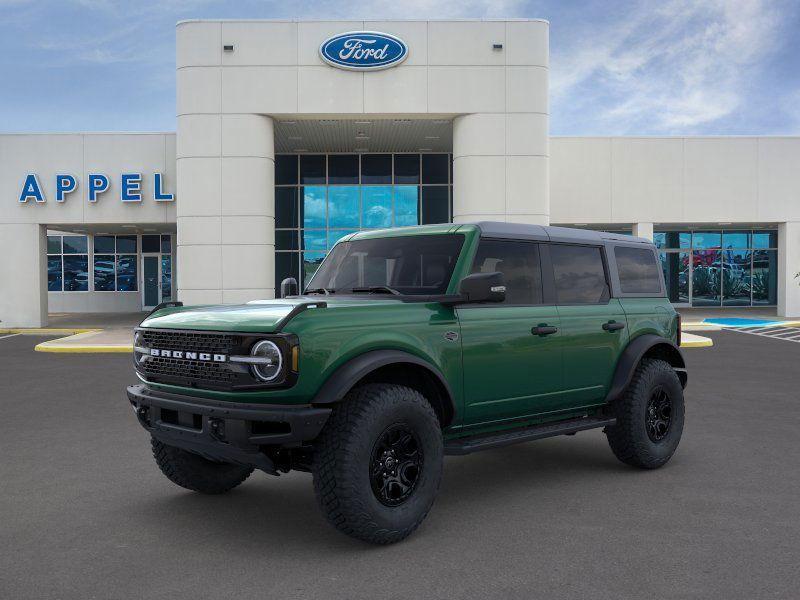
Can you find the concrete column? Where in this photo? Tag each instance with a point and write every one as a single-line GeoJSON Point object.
{"type": "Point", "coordinates": [788, 266]}
{"type": "Point", "coordinates": [23, 301]}
{"type": "Point", "coordinates": [501, 168]}
{"type": "Point", "coordinates": [644, 230]}
{"type": "Point", "coordinates": [226, 222]}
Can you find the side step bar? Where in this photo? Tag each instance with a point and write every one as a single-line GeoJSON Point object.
{"type": "Point", "coordinates": [460, 446]}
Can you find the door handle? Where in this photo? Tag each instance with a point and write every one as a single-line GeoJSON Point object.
{"type": "Point", "coordinates": [543, 330]}
{"type": "Point", "coordinates": [613, 326]}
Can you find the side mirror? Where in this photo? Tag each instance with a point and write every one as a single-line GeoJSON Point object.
{"type": "Point", "coordinates": [483, 287]}
{"type": "Point", "coordinates": [289, 287]}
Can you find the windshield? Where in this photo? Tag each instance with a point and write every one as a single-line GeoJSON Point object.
{"type": "Point", "coordinates": [413, 265]}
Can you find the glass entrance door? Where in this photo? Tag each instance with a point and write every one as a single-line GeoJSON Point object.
{"type": "Point", "coordinates": [151, 288]}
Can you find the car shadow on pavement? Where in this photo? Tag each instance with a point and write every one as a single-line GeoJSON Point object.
{"type": "Point", "coordinates": [266, 511]}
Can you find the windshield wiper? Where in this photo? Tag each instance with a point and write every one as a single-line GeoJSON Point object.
{"type": "Point", "coordinates": [325, 291]}
{"type": "Point", "coordinates": [375, 289]}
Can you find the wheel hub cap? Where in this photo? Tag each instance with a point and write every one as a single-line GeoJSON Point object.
{"type": "Point", "coordinates": [658, 415]}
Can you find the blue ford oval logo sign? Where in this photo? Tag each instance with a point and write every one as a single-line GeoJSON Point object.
{"type": "Point", "coordinates": [363, 50]}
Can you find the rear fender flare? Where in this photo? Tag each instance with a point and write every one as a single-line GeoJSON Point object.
{"type": "Point", "coordinates": [648, 344]}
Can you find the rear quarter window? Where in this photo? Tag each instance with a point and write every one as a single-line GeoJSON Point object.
{"type": "Point", "coordinates": [638, 270]}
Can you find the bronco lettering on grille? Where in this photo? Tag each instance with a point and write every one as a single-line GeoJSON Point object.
{"type": "Point", "coordinates": [204, 356]}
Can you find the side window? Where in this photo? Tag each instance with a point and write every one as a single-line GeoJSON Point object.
{"type": "Point", "coordinates": [579, 274]}
{"type": "Point", "coordinates": [638, 271]}
{"type": "Point", "coordinates": [519, 264]}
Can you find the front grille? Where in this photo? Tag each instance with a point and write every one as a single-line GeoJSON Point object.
{"type": "Point", "coordinates": [205, 374]}
{"type": "Point", "coordinates": [190, 370]}
{"type": "Point", "coordinates": [191, 340]}
{"type": "Point", "coordinates": [196, 373]}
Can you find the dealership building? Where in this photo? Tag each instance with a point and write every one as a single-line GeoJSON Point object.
{"type": "Point", "coordinates": [293, 134]}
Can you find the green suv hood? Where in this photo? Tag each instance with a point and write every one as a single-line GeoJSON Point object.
{"type": "Point", "coordinates": [262, 316]}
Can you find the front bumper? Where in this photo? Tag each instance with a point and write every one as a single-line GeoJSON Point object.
{"type": "Point", "coordinates": [225, 431]}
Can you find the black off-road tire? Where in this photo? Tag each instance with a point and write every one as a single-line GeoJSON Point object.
{"type": "Point", "coordinates": [629, 438]}
{"type": "Point", "coordinates": [193, 472]}
{"type": "Point", "coordinates": [345, 453]}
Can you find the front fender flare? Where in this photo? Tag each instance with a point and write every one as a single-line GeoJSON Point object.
{"type": "Point", "coordinates": [347, 375]}
{"type": "Point", "coordinates": [632, 356]}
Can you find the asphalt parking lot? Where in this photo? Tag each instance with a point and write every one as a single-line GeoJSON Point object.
{"type": "Point", "coordinates": [84, 512]}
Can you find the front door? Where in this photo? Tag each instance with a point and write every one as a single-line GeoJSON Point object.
{"type": "Point", "coordinates": [511, 350]}
{"type": "Point", "coordinates": [151, 288]}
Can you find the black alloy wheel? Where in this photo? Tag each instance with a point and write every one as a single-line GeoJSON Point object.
{"type": "Point", "coordinates": [658, 416]}
{"type": "Point", "coordinates": [395, 465]}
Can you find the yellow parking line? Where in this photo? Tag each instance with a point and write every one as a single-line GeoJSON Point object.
{"type": "Point", "coordinates": [46, 331]}
{"type": "Point", "coordinates": [72, 349]}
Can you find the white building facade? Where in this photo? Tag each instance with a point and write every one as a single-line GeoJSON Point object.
{"type": "Point", "coordinates": [282, 148]}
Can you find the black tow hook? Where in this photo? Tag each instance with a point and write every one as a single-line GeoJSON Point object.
{"type": "Point", "coordinates": [143, 414]}
{"type": "Point", "coordinates": [217, 428]}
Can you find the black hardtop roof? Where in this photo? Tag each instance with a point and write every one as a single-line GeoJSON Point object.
{"type": "Point", "coordinates": [525, 231]}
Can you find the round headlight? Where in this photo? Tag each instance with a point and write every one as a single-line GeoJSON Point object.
{"type": "Point", "coordinates": [269, 367]}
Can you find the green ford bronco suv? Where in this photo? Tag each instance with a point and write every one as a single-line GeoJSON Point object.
{"type": "Point", "coordinates": [409, 344]}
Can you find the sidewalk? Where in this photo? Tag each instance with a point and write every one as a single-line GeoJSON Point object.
{"type": "Point", "coordinates": [85, 332]}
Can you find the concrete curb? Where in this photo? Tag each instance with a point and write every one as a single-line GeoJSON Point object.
{"type": "Point", "coordinates": [689, 340]}
{"type": "Point", "coordinates": [98, 349]}
{"type": "Point", "coordinates": [46, 331]}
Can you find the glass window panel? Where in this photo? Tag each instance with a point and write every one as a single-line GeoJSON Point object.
{"type": "Point", "coordinates": [343, 168]}
{"type": "Point", "coordinates": [75, 244]}
{"type": "Point", "coordinates": [376, 168]}
{"type": "Point", "coordinates": [334, 235]}
{"type": "Point", "coordinates": [343, 206]}
{"type": "Point", "coordinates": [126, 273]}
{"type": "Point", "coordinates": [54, 279]}
{"type": "Point", "coordinates": [672, 239]}
{"type": "Point", "coordinates": [166, 278]}
{"type": "Point", "coordinates": [706, 277]}
{"type": "Point", "coordinates": [54, 244]}
{"type": "Point", "coordinates": [435, 205]}
{"type": "Point", "coordinates": [150, 243]}
{"type": "Point", "coordinates": [166, 244]}
{"type": "Point", "coordinates": [314, 206]}
{"type": "Point", "coordinates": [736, 277]}
{"type": "Point", "coordinates": [765, 277]}
{"type": "Point", "coordinates": [434, 168]}
{"type": "Point", "coordinates": [706, 239]}
{"type": "Point", "coordinates": [312, 168]}
{"type": "Point", "coordinates": [285, 169]}
{"type": "Point", "coordinates": [376, 206]}
{"type": "Point", "coordinates": [286, 207]}
{"type": "Point", "coordinates": [765, 239]}
{"type": "Point", "coordinates": [406, 168]}
{"type": "Point", "coordinates": [315, 239]}
{"type": "Point", "coordinates": [675, 266]}
{"type": "Point", "coordinates": [638, 271]}
{"type": "Point", "coordinates": [126, 244]}
{"type": "Point", "coordinates": [286, 265]}
{"type": "Point", "coordinates": [104, 244]}
{"type": "Point", "coordinates": [736, 239]}
{"type": "Point", "coordinates": [579, 274]}
{"type": "Point", "coordinates": [104, 272]}
{"type": "Point", "coordinates": [311, 262]}
{"type": "Point", "coordinates": [406, 205]}
{"type": "Point", "coordinates": [76, 273]}
{"type": "Point", "coordinates": [519, 264]}
{"type": "Point", "coordinates": [287, 240]}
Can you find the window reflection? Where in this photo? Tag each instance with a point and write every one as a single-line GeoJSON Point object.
{"type": "Point", "coordinates": [343, 206]}
{"type": "Point", "coordinates": [765, 277]}
{"type": "Point", "coordinates": [314, 206]}
{"type": "Point", "coordinates": [676, 275]}
{"type": "Point", "coordinates": [706, 266]}
{"type": "Point", "coordinates": [406, 211]}
{"type": "Point", "coordinates": [377, 206]}
{"type": "Point", "coordinates": [736, 278]}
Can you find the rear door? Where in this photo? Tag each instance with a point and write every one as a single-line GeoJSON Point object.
{"type": "Point", "coordinates": [593, 325]}
{"type": "Point", "coordinates": [511, 368]}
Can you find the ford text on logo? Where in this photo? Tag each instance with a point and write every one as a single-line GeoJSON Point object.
{"type": "Point", "coordinates": [363, 50]}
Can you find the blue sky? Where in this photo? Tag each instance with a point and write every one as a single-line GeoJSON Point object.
{"type": "Point", "coordinates": [617, 68]}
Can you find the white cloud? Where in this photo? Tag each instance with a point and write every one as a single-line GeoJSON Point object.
{"type": "Point", "coordinates": [669, 69]}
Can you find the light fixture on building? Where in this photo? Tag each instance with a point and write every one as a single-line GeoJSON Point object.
{"type": "Point", "coordinates": [328, 121]}
{"type": "Point", "coordinates": [363, 122]}
{"type": "Point", "coordinates": [288, 122]}
{"type": "Point", "coordinates": [301, 150]}
{"type": "Point", "coordinates": [402, 121]}
{"type": "Point", "coordinates": [728, 223]}
{"type": "Point", "coordinates": [432, 137]}
{"type": "Point", "coordinates": [228, 47]}
{"type": "Point", "coordinates": [497, 46]}
{"type": "Point", "coordinates": [426, 149]}
{"type": "Point", "coordinates": [361, 150]}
